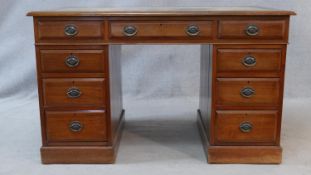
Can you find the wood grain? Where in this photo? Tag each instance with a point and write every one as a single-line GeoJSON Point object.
{"type": "Point", "coordinates": [267, 91]}
{"type": "Point", "coordinates": [238, 154]}
{"type": "Point", "coordinates": [223, 76]}
{"type": "Point", "coordinates": [93, 122]}
{"type": "Point", "coordinates": [263, 132]}
{"type": "Point", "coordinates": [245, 154]}
{"type": "Point", "coordinates": [231, 60]}
{"type": "Point", "coordinates": [53, 30]}
{"type": "Point", "coordinates": [162, 11]}
{"type": "Point", "coordinates": [161, 29]}
{"type": "Point", "coordinates": [83, 154]}
{"type": "Point", "coordinates": [77, 154]}
{"type": "Point", "coordinates": [90, 61]}
{"type": "Point", "coordinates": [158, 30]}
{"type": "Point", "coordinates": [93, 92]}
{"type": "Point", "coordinates": [268, 29]}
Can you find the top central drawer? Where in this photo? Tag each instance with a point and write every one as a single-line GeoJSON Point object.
{"type": "Point", "coordinates": [173, 30]}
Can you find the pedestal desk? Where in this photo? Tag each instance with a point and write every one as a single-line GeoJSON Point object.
{"type": "Point", "coordinates": [243, 53]}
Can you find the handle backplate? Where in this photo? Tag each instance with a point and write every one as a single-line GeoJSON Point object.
{"type": "Point", "coordinates": [74, 92]}
{"type": "Point", "coordinates": [247, 92]}
{"type": "Point", "coordinates": [252, 30]}
{"type": "Point", "coordinates": [246, 127]}
{"type": "Point", "coordinates": [72, 61]}
{"type": "Point", "coordinates": [129, 30]}
{"type": "Point", "coordinates": [249, 61]}
{"type": "Point", "coordinates": [71, 30]}
{"type": "Point", "coordinates": [75, 126]}
{"type": "Point", "coordinates": [193, 30]}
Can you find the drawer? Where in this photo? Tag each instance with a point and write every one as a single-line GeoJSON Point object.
{"type": "Point", "coordinates": [246, 127]}
{"type": "Point", "coordinates": [71, 126]}
{"type": "Point", "coordinates": [252, 29]}
{"type": "Point", "coordinates": [68, 61]}
{"type": "Point", "coordinates": [70, 31]}
{"type": "Point", "coordinates": [74, 92]}
{"type": "Point", "coordinates": [247, 91]}
{"type": "Point", "coordinates": [163, 29]}
{"type": "Point", "coordinates": [249, 60]}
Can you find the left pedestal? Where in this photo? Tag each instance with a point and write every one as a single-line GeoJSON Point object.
{"type": "Point", "coordinates": [79, 84]}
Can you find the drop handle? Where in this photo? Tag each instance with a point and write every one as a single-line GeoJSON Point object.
{"type": "Point", "coordinates": [249, 61]}
{"type": "Point", "coordinates": [129, 31]}
{"type": "Point", "coordinates": [252, 30]}
{"type": "Point", "coordinates": [72, 61]}
{"type": "Point", "coordinates": [75, 126]}
{"type": "Point", "coordinates": [193, 30]}
{"type": "Point", "coordinates": [246, 127]}
{"type": "Point", "coordinates": [71, 30]}
{"type": "Point", "coordinates": [247, 92]}
{"type": "Point", "coordinates": [74, 92]}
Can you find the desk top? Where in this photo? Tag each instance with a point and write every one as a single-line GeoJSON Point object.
{"type": "Point", "coordinates": [163, 11]}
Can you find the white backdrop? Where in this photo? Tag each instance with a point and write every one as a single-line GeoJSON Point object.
{"type": "Point", "coordinates": [160, 86]}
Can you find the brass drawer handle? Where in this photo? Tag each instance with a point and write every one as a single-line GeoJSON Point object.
{"type": "Point", "coordinates": [75, 126]}
{"type": "Point", "coordinates": [72, 61]}
{"type": "Point", "coordinates": [129, 30]}
{"type": "Point", "coordinates": [246, 127]}
{"type": "Point", "coordinates": [249, 61]}
{"type": "Point", "coordinates": [193, 30]}
{"type": "Point", "coordinates": [71, 30]}
{"type": "Point", "coordinates": [74, 92]}
{"type": "Point", "coordinates": [252, 30]}
{"type": "Point", "coordinates": [247, 92]}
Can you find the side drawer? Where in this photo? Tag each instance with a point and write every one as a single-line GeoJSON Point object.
{"type": "Point", "coordinates": [249, 60]}
{"type": "Point", "coordinates": [253, 29]}
{"type": "Point", "coordinates": [49, 30]}
{"type": "Point", "coordinates": [246, 127]}
{"type": "Point", "coordinates": [163, 29]}
{"type": "Point", "coordinates": [247, 91]}
{"type": "Point", "coordinates": [76, 126]}
{"type": "Point", "coordinates": [70, 61]}
{"type": "Point", "coordinates": [74, 92]}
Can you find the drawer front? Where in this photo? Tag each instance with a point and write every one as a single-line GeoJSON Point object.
{"type": "Point", "coordinates": [248, 91]}
{"type": "Point", "coordinates": [70, 31]}
{"type": "Point", "coordinates": [249, 60]}
{"type": "Point", "coordinates": [252, 29]}
{"type": "Point", "coordinates": [164, 29]}
{"type": "Point", "coordinates": [246, 127]}
{"type": "Point", "coordinates": [75, 92]}
{"type": "Point", "coordinates": [70, 61]}
{"type": "Point", "coordinates": [70, 126]}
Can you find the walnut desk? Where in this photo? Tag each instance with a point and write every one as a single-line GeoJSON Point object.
{"type": "Point", "coordinates": [243, 53]}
